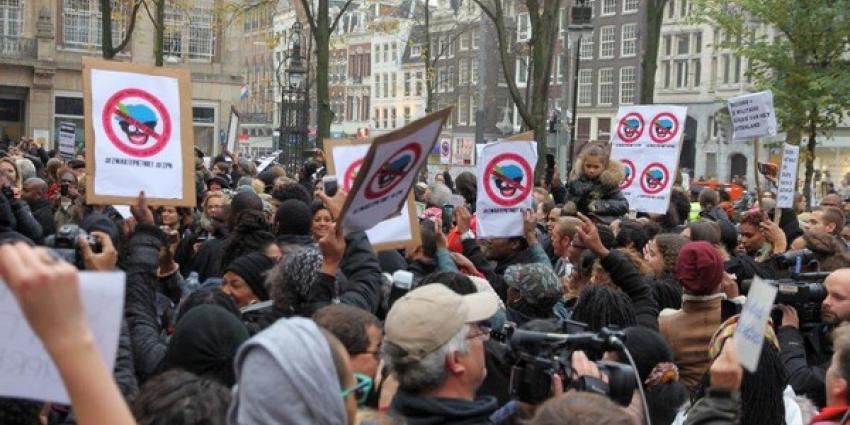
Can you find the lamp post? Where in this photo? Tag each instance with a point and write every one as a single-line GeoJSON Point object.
{"type": "Point", "coordinates": [582, 11]}
{"type": "Point", "coordinates": [291, 74]}
{"type": "Point", "coordinates": [505, 126]}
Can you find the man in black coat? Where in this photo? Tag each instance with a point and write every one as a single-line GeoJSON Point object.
{"type": "Point", "coordinates": [35, 194]}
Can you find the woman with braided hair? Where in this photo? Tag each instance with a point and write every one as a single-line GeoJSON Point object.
{"type": "Point", "coordinates": [661, 253]}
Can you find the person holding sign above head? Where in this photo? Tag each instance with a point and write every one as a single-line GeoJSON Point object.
{"type": "Point", "coordinates": [594, 187]}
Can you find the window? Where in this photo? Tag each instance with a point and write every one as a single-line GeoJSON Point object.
{"type": "Point", "coordinates": [583, 129]}
{"type": "Point", "coordinates": [603, 128]}
{"type": "Point", "coordinates": [407, 84]}
{"type": "Point", "coordinates": [586, 48]}
{"type": "Point", "coordinates": [386, 118]}
{"type": "Point", "coordinates": [521, 70]}
{"type": "Point", "coordinates": [386, 85]}
{"type": "Point", "coordinates": [630, 6]}
{"type": "Point", "coordinates": [395, 52]}
{"type": "Point", "coordinates": [629, 42]}
{"type": "Point", "coordinates": [462, 110]}
{"type": "Point", "coordinates": [607, 42]}
{"type": "Point", "coordinates": [474, 35]}
{"type": "Point", "coordinates": [415, 51]}
{"type": "Point", "coordinates": [11, 18]}
{"type": "Point", "coordinates": [681, 74]}
{"type": "Point", "coordinates": [684, 43]}
{"type": "Point", "coordinates": [419, 83]}
{"type": "Point", "coordinates": [68, 109]}
{"type": "Point", "coordinates": [203, 120]}
{"type": "Point", "coordinates": [464, 72]}
{"type": "Point", "coordinates": [394, 117]}
{"type": "Point", "coordinates": [585, 86]}
{"type": "Point", "coordinates": [627, 85]}
{"type": "Point", "coordinates": [472, 110]}
{"type": "Point", "coordinates": [671, 8]}
{"type": "Point", "coordinates": [606, 86]}
{"type": "Point", "coordinates": [609, 7]}
{"type": "Point", "coordinates": [473, 71]}
{"type": "Point", "coordinates": [696, 68]}
{"type": "Point", "coordinates": [441, 79]}
{"type": "Point", "coordinates": [450, 79]}
{"type": "Point", "coordinates": [666, 69]}
{"type": "Point", "coordinates": [668, 45]}
{"type": "Point", "coordinates": [683, 8]}
{"type": "Point", "coordinates": [393, 85]}
{"type": "Point", "coordinates": [697, 42]}
{"type": "Point", "coordinates": [377, 85]}
{"type": "Point", "coordinates": [377, 53]}
{"type": "Point", "coordinates": [557, 76]}
{"type": "Point", "coordinates": [464, 41]}
{"type": "Point", "coordinates": [193, 27]}
{"type": "Point", "coordinates": [407, 116]}
{"type": "Point", "coordinates": [377, 118]}
{"type": "Point", "coordinates": [523, 27]}
{"type": "Point", "coordinates": [81, 22]}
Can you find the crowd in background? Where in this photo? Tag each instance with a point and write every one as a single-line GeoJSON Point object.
{"type": "Point", "coordinates": [253, 308]}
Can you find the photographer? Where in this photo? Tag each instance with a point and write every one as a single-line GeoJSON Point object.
{"type": "Point", "coordinates": [806, 355]}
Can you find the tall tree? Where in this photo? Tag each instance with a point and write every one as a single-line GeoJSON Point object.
{"type": "Point", "coordinates": [649, 60]}
{"type": "Point", "coordinates": [108, 48]}
{"type": "Point", "coordinates": [321, 27]}
{"type": "Point", "coordinates": [543, 19]}
{"type": "Point", "coordinates": [801, 58]}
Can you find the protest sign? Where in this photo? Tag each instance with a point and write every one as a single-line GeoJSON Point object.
{"type": "Point", "coordinates": [749, 333]}
{"type": "Point", "coordinates": [445, 150]}
{"type": "Point", "coordinates": [647, 141]}
{"type": "Point", "coordinates": [388, 172]}
{"type": "Point", "coordinates": [787, 176]}
{"type": "Point", "coordinates": [40, 137]}
{"type": "Point", "coordinates": [139, 133]}
{"type": "Point", "coordinates": [463, 151]}
{"type": "Point", "coordinates": [67, 139]}
{"type": "Point", "coordinates": [506, 177]}
{"type": "Point", "coordinates": [344, 158]}
{"type": "Point", "coordinates": [28, 372]}
{"type": "Point", "coordinates": [232, 130]}
{"type": "Point", "coordinates": [752, 116]}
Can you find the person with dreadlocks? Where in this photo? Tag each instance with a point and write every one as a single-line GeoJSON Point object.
{"type": "Point", "coordinates": [603, 305]}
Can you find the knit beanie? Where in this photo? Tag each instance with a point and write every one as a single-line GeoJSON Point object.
{"type": "Point", "coordinates": [293, 218]}
{"type": "Point", "coordinates": [699, 268]}
{"type": "Point", "coordinates": [252, 269]}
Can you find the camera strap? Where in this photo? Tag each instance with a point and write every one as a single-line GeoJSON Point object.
{"type": "Point", "coordinates": [592, 385]}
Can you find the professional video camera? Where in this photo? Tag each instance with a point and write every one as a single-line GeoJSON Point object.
{"type": "Point", "coordinates": [540, 355]}
{"type": "Point", "coordinates": [803, 291]}
{"type": "Point", "coordinates": [799, 261]}
{"type": "Point", "coordinates": [65, 244]}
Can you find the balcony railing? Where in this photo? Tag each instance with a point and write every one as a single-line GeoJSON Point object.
{"type": "Point", "coordinates": [17, 47]}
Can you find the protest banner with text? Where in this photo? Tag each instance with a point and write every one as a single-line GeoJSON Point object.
{"type": "Point", "coordinates": [505, 183]}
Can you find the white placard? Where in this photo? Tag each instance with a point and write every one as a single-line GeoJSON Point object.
{"type": "Point", "coordinates": [752, 116]}
{"type": "Point", "coordinates": [788, 176]}
{"type": "Point", "coordinates": [749, 333]}
{"type": "Point", "coordinates": [389, 171]}
{"type": "Point", "coordinates": [136, 120]}
{"type": "Point", "coordinates": [41, 137]}
{"type": "Point", "coordinates": [232, 130]}
{"type": "Point", "coordinates": [505, 183]}
{"type": "Point", "coordinates": [28, 372]}
{"type": "Point", "coordinates": [647, 141]}
{"type": "Point", "coordinates": [347, 160]}
{"type": "Point", "coordinates": [445, 150]}
{"type": "Point", "coordinates": [67, 139]}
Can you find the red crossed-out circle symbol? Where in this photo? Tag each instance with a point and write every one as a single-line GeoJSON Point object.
{"type": "Point", "coordinates": [445, 148]}
{"type": "Point", "coordinates": [630, 170]}
{"type": "Point", "coordinates": [630, 127]}
{"type": "Point", "coordinates": [115, 112]}
{"type": "Point", "coordinates": [655, 178]}
{"type": "Point", "coordinates": [393, 171]}
{"type": "Point", "coordinates": [663, 127]}
{"type": "Point", "coordinates": [351, 174]}
{"type": "Point", "coordinates": [507, 179]}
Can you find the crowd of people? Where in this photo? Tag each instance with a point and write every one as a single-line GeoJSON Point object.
{"type": "Point", "coordinates": [253, 308]}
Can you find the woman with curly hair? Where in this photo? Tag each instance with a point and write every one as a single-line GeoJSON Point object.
{"type": "Point", "coordinates": [661, 254]}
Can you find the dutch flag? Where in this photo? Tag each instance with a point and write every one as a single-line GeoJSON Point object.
{"type": "Point", "coordinates": [243, 91]}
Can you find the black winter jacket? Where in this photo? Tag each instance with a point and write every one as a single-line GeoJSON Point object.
{"type": "Point", "coordinates": [626, 276]}
{"type": "Point", "coordinates": [600, 196]}
{"type": "Point", "coordinates": [806, 358]}
{"type": "Point", "coordinates": [43, 213]}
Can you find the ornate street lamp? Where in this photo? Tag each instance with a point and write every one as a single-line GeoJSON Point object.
{"type": "Point", "coordinates": [291, 75]}
{"type": "Point", "coordinates": [582, 12]}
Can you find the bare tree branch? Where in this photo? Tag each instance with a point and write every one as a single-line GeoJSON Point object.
{"type": "Point", "coordinates": [339, 15]}
{"type": "Point", "coordinates": [130, 27]}
{"type": "Point", "coordinates": [310, 19]}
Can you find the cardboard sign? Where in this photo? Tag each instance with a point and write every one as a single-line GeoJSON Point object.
{"type": "Point", "coordinates": [788, 176]}
{"type": "Point", "coordinates": [506, 179]}
{"type": "Point", "coordinates": [647, 141]}
{"type": "Point", "coordinates": [28, 372]}
{"type": "Point", "coordinates": [232, 130]}
{"type": "Point", "coordinates": [445, 150]}
{"type": "Point", "coordinates": [40, 137]}
{"type": "Point", "coordinates": [752, 116]}
{"type": "Point", "coordinates": [344, 160]}
{"type": "Point", "coordinates": [138, 133]}
{"type": "Point", "coordinates": [388, 172]}
{"type": "Point", "coordinates": [749, 333]}
{"type": "Point", "coordinates": [67, 139]}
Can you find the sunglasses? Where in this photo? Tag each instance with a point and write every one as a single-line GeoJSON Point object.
{"type": "Point", "coordinates": [360, 390]}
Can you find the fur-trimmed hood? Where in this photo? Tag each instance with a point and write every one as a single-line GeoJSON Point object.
{"type": "Point", "coordinates": [611, 177]}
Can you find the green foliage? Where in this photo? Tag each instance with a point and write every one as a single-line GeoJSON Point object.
{"type": "Point", "coordinates": [798, 49]}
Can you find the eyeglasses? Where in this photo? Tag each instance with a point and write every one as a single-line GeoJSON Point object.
{"type": "Point", "coordinates": [361, 389]}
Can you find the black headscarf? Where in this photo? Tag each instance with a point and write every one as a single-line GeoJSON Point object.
{"type": "Point", "coordinates": [205, 343]}
{"type": "Point", "coordinates": [252, 269]}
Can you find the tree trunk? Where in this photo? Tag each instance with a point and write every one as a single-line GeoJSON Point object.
{"type": "Point", "coordinates": [810, 156]}
{"type": "Point", "coordinates": [159, 38]}
{"type": "Point", "coordinates": [430, 72]}
{"type": "Point", "coordinates": [323, 37]}
{"type": "Point", "coordinates": [649, 59]}
{"type": "Point", "coordinates": [106, 29]}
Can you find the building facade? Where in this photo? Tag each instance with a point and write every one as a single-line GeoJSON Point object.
{"type": "Point", "coordinates": [42, 43]}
